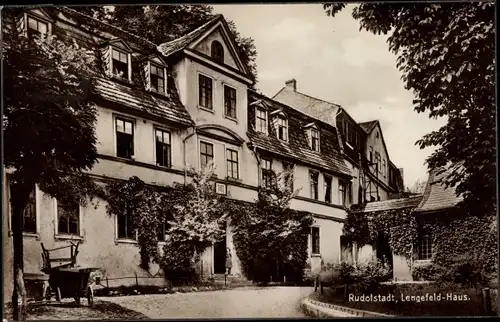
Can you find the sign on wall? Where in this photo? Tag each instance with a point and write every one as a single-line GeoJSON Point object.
{"type": "Point", "coordinates": [220, 188]}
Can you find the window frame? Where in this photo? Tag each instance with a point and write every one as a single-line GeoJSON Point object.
{"type": "Point", "coordinates": [205, 154]}
{"type": "Point", "coordinates": [314, 132]}
{"type": "Point", "coordinates": [325, 181]}
{"type": "Point", "coordinates": [115, 125]}
{"type": "Point", "coordinates": [38, 195]}
{"type": "Point", "coordinates": [38, 20]}
{"type": "Point", "coordinates": [291, 166]}
{"type": "Point", "coordinates": [232, 162]}
{"type": "Point", "coordinates": [258, 118]}
{"type": "Point", "coordinates": [125, 239]}
{"type": "Point", "coordinates": [200, 91]}
{"type": "Point", "coordinates": [266, 173]}
{"type": "Point", "coordinates": [217, 56]}
{"type": "Point", "coordinates": [230, 88]}
{"type": "Point", "coordinates": [284, 126]}
{"type": "Point", "coordinates": [315, 240]}
{"type": "Point", "coordinates": [129, 66]}
{"type": "Point", "coordinates": [427, 236]}
{"type": "Point", "coordinates": [163, 130]}
{"type": "Point", "coordinates": [164, 70]}
{"type": "Point", "coordinates": [312, 183]}
{"type": "Point", "coordinates": [60, 235]}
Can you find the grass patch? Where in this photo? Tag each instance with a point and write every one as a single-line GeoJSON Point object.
{"type": "Point", "coordinates": [470, 305]}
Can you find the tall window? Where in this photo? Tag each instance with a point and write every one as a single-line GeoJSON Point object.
{"type": "Point", "coordinates": [328, 188]}
{"type": "Point", "coordinates": [261, 120]}
{"type": "Point", "coordinates": [124, 138]}
{"type": "Point", "coordinates": [162, 230]}
{"type": "Point", "coordinates": [371, 155]}
{"type": "Point", "coordinates": [229, 101]}
{"type": "Point", "coordinates": [125, 228]}
{"type": "Point", "coordinates": [68, 218]}
{"type": "Point", "coordinates": [282, 129]}
{"type": "Point", "coordinates": [425, 246]}
{"type": "Point", "coordinates": [383, 167]}
{"type": "Point", "coordinates": [217, 51]}
{"type": "Point", "coordinates": [288, 178]}
{"type": "Point", "coordinates": [36, 28]}
{"type": "Point", "coordinates": [29, 214]}
{"type": "Point", "coordinates": [377, 158]}
{"type": "Point", "coordinates": [313, 182]}
{"type": "Point", "coordinates": [315, 240]}
{"type": "Point", "coordinates": [267, 174]}
{"type": "Point", "coordinates": [232, 163]}
{"type": "Point", "coordinates": [206, 153]}
{"type": "Point", "coordinates": [343, 193]}
{"type": "Point", "coordinates": [314, 140]}
{"type": "Point", "coordinates": [119, 63]}
{"type": "Point", "coordinates": [163, 148]}
{"type": "Point", "coordinates": [157, 77]}
{"type": "Point", "coordinates": [205, 92]}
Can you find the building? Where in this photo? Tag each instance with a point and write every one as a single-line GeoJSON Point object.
{"type": "Point", "coordinates": [363, 146]}
{"type": "Point", "coordinates": [162, 107]}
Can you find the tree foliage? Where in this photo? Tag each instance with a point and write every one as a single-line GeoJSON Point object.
{"type": "Point", "coordinates": [446, 53]}
{"type": "Point", "coordinates": [164, 23]}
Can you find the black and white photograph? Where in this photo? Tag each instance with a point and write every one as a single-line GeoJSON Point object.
{"type": "Point", "coordinates": [258, 160]}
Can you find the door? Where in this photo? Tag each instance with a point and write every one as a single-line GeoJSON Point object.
{"type": "Point", "coordinates": [220, 256]}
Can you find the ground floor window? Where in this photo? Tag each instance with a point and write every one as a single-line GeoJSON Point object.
{"type": "Point", "coordinates": [68, 218]}
{"type": "Point", "coordinates": [315, 240]}
{"type": "Point", "coordinates": [125, 227]}
{"type": "Point", "coordinates": [424, 247]}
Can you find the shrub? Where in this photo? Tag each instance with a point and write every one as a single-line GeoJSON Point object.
{"type": "Point", "coordinates": [425, 273]}
{"type": "Point", "coordinates": [464, 269]}
{"type": "Point", "coordinates": [368, 275]}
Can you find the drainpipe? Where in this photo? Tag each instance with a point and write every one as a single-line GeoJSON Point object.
{"type": "Point", "coordinates": [184, 151]}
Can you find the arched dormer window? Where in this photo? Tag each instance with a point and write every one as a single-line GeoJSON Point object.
{"type": "Point", "coordinates": [217, 51]}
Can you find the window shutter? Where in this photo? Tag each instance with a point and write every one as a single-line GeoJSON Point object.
{"type": "Point", "coordinates": [309, 137]}
{"type": "Point", "coordinates": [106, 60]}
{"type": "Point", "coordinates": [145, 75]}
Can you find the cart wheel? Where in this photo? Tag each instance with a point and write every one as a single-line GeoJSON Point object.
{"type": "Point", "coordinates": [58, 294]}
{"type": "Point", "coordinates": [90, 295]}
{"type": "Point", "coordinates": [48, 294]}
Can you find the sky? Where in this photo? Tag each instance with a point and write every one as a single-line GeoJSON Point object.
{"type": "Point", "coordinates": [334, 61]}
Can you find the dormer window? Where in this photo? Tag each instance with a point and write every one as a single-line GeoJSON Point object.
{"type": "Point", "coordinates": [157, 78]}
{"type": "Point", "coordinates": [36, 27]}
{"type": "Point", "coordinates": [120, 63]}
{"type": "Point", "coordinates": [261, 120]}
{"type": "Point", "coordinates": [314, 140]}
{"type": "Point", "coordinates": [282, 128]}
{"type": "Point", "coordinates": [217, 51]}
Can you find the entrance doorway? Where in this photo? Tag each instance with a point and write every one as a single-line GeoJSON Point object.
{"type": "Point", "coordinates": [220, 256]}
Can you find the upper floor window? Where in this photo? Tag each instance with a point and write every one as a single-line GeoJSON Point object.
{"type": "Point", "coordinates": [267, 174]}
{"type": "Point", "coordinates": [282, 128]}
{"type": "Point", "coordinates": [68, 218]}
{"type": "Point", "coordinates": [217, 51]}
{"type": "Point", "coordinates": [157, 78]}
{"type": "Point", "coordinates": [377, 135]}
{"type": "Point", "coordinates": [232, 163]}
{"type": "Point", "coordinates": [328, 188]}
{"type": "Point", "coordinates": [229, 102]}
{"type": "Point", "coordinates": [313, 183]}
{"type": "Point", "coordinates": [36, 27]}
{"type": "Point", "coordinates": [205, 92]}
{"type": "Point", "coordinates": [377, 159]}
{"type": "Point", "coordinates": [119, 63]}
{"type": "Point", "coordinates": [314, 140]}
{"type": "Point", "coordinates": [124, 138]}
{"type": "Point", "coordinates": [383, 167]}
{"type": "Point", "coordinates": [371, 155]}
{"type": "Point", "coordinates": [343, 193]}
{"type": "Point", "coordinates": [163, 148]}
{"type": "Point", "coordinates": [206, 153]}
{"type": "Point", "coordinates": [261, 120]}
{"type": "Point", "coordinates": [288, 177]}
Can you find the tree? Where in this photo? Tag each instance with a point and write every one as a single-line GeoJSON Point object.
{"type": "Point", "coordinates": [48, 127]}
{"type": "Point", "coordinates": [164, 23]}
{"type": "Point", "coordinates": [446, 53]}
{"type": "Point", "coordinates": [418, 187]}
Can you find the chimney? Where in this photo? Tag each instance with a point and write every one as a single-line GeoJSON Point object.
{"type": "Point", "coordinates": [292, 83]}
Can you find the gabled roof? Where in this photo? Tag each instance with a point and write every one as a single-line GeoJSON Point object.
{"type": "Point", "coordinates": [391, 204]}
{"type": "Point", "coordinates": [168, 107]}
{"type": "Point", "coordinates": [297, 148]}
{"type": "Point", "coordinates": [368, 126]}
{"type": "Point", "coordinates": [311, 106]}
{"type": "Point", "coordinates": [436, 196]}
{"type": "Point", "coordinates": [176, 45]}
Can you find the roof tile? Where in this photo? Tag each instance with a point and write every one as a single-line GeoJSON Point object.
{"type": "Point", "coordinates": [436, 195]}
{"type": "Point", "coordinates": [391, 204]}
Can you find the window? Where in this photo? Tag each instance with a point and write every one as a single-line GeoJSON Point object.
{"type": "Point", "coordinates": [313, 182]}
{"type": "Point", "coordinates": [36, 28]}
{"type": "Point", "coordinates": [371, 155]}
{"type": "Point", "coordinates": [314, 140]}
{"type": "Point", "coordinates": [232, 163]}
{"type": "Point", "coordinates": [119, 63]}
{"type": "Point", "coordinates": [328, 188]}
{"type": "Point", "coordinates": [315, 240]}
{"type": "Point", "coordinates": [425, 246]}
{"type": "Point", "coordinates": [29, 214]}
{"type": "Point", "coordinates": [206, 153]}
{"type": "Point", "coordinates": [383, 167]}
{"type": "Point", "coordinates": [377, 135]}
{"type": "Point", "coordinates": [205, 92]}
{"type": "Point", "coordinates": [124, 138]}
{"type": "Point", "coordinates": [125, 228]}
{"type": "Point", "coordinates": [261, 120]}
{"type": "Point", "coordinates": [217, 52]}
{"type": "Point", "coordinates": [157, 77]}
{"type": "Point", "coordinates": [163, 148]}
{"type": "Point", "coordinates": [68, 218]}
{"type": "Point", "coordinates": [344, 193]}
{"type": "Point", "coordinates": [267, 174]}
{"type": "Point", "coordinates": [282, 129]}
{"type": "Point", "coordinates": [229, 101]}
{"type": "Point", "coordinates": [377, 157]}
{"type": "Point", "coordinates": [288, 178]}
{"type": "Point", "coordinates": [162, 230]}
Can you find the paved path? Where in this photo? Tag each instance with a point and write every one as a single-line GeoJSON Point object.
{"type": "Point", "coordinates": [252, 302]}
